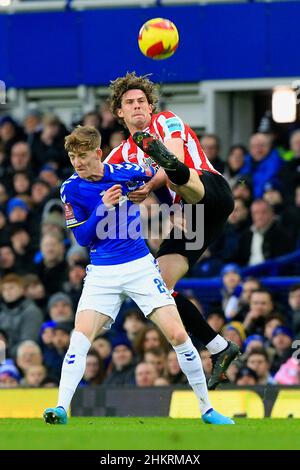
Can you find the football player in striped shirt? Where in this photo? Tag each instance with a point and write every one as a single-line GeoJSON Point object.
{"type": "Point", "coordinates": [165, 140]}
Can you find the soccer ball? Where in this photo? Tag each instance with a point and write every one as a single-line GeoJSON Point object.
{"type": "Point", "coordinates": [158, 38]}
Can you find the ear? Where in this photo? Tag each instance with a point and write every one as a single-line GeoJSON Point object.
{"type": "Point", "coordinates": [120, 113]}
{"type": "Point", "coordinates": [151, 108]}
{"type": "Point", "coordinates": [99, 153]}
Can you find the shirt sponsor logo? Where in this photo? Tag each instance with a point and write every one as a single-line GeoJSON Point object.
{"type": "Point", "coordinates": [173, 124]}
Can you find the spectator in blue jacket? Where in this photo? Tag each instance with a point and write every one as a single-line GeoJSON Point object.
{"type": "Point", "coordinates": [262, 164]}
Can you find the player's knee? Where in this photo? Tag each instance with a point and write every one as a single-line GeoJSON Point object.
{"type": "Point", "coordinates": [196, 190]}
{"type": "Point", "coordinates": [178, 337]}
{"type": "Point", "coordinates": [84, 327]}
{"type": "Point", "coordinates": [194, 197]}
{"type": "Point", "coordinates": [85, 331]}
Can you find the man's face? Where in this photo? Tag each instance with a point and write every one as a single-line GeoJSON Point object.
{"type": "Point", "coordinates": [210, 147]}
{"type": "Point", "coordinates": [103, 347]}
{"type": "Point", "coordinates": [20, 239]}
{"type": "Point", "coordinates": [260, 146]}
{"type": "Point", "coordinates": [52, 249]}
{"type": "Point", "coordinates": [39, 191]}
{"type": "Point", "coordinates": [232, 335]}
{"type": "Point", "coordinates": [35, 291]}
{"type": "Point", "coordinates": [61, 311]}
{"type": "Point", "coordinates": [11, 291]}
{"type": "Point", "coordinates": [152, 340]}
{"type": "Point", "coordinates": [61, 339]}
{"type": "Point", "coordinates": [7, 131]}
{"type": "Point", "coordinates": [262, 215]}
{"type": "Point", "coordinates": [35, 376]}
{"type": "Point", "coordinates": [18, 214]}
{"type": "Point", "coordinates": [261, 303]}
{"type": "Point", "coordinates": [7, 257]}
{"type": "Point", "coordinates": [121, 356]}
{"type": "Point", "coordinates": [231, 280]}
{"type": "Point", "coordinates": [20, 156]}
{"type": "Point", "coordinates": [21, 183]}
{"type": "Point", "coordinates": [145, 375]}
{"type": "Point", "coordinates": [85, 163]}
{"type": "Point", "coordinates": [282, 342]}
{"type": "Point", "coordinates": [258, 363]}
{"type": "Point", "coordinates": [133, 324]}
{"type": "Point", "coordinates": [159, 362]}
{"type": "Point", "coordinates": [135, 110]}
{"type": "Point", "coordinates": [30, 356]}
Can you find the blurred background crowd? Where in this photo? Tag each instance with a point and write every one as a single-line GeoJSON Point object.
{"type": "Point", "coordinates": [42, 268]}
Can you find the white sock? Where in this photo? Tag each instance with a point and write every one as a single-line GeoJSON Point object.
{"type": "Point", "coordinates": [217, 345]}
{"type": "Point", "coordinates": [190, 364]}
{"type": "Point", "coordinates": [73, 368]}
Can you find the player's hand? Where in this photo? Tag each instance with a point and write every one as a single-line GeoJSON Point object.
{"type": "Point", "coordinates": [139, 195]}
{"type": "Point", "coordinates": [112, 196]}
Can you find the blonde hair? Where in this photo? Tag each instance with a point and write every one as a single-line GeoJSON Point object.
{"type": "Point", "coordinates": [131, 82]}
{"type": "Point", "coordinates": [83, 138]}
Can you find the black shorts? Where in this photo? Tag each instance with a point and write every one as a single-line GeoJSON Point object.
{"type": "Point", "coordinates": [218, 204]}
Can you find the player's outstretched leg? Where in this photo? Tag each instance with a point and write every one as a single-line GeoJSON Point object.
{"type": "Point", "coordinates": [72, 372]}
{"type": "Point", "coordinates": [87, 324]}
{"type": "Point", "coordinates": [168, 320]}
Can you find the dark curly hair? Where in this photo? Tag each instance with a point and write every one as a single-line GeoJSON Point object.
{"type": "Point", "coordinates": [131, 82]}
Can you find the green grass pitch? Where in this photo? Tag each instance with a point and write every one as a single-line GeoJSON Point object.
{"type": "Point", "coordinates": [149, 433]}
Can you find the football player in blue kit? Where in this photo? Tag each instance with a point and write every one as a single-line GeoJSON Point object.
{"type": "Point", "coordinates": [101, 217]}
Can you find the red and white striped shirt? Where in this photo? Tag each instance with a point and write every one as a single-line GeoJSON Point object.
{"type": "Point", "coordinates": [165, 125]}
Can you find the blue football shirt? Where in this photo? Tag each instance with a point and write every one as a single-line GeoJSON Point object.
{"type": "Point", "coordinates": [118, 237]}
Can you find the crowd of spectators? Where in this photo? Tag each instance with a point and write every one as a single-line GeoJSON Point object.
{"type": "Point", "coordinates": [42, 268]}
